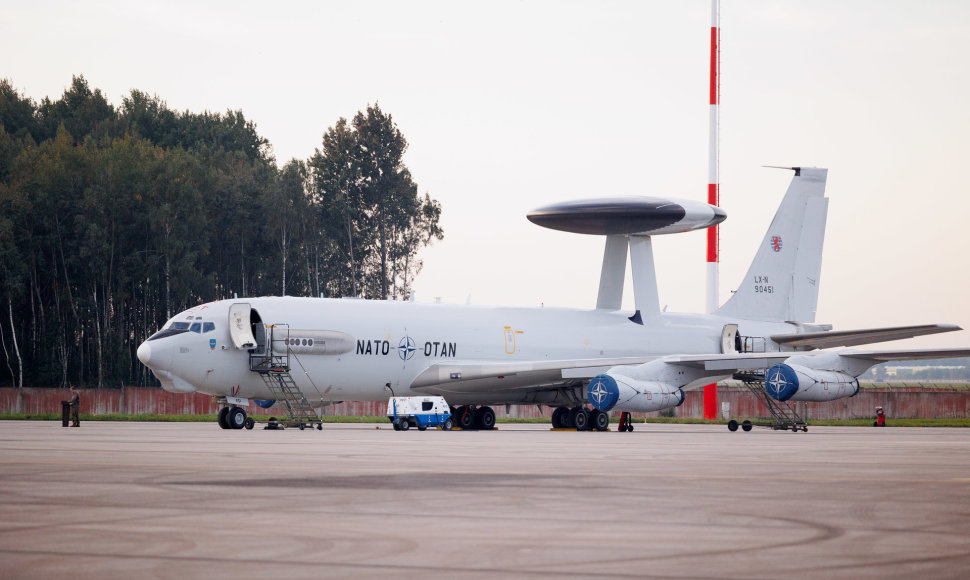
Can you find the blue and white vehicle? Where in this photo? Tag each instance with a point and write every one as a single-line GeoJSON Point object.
{"type": "Point", "coordinates": [420, 412]}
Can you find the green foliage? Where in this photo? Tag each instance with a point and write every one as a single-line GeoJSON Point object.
{"type": "Point", "coordinates": [114, 219]}
{"type": "Point", "coordinates": [377, 221]}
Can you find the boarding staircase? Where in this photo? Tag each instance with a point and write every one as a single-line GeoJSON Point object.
{"type": "Point", "coordinates": [272, 363]}
{"type": "Point", "coordinates": [783, 415]}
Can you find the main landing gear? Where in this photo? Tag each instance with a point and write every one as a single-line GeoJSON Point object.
{"type": "Point", "coordinates": [580, 419]}
{"type": "Point", "coordinates": [235, 418]}
{"type": "Point", "coordinates": [467, 417]}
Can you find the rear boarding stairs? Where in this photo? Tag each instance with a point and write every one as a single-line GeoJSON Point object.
{"type": "Point", "coordinates": [783, 415]}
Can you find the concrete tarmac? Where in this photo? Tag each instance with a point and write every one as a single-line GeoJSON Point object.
{"type": "Point", "coordinates": [189, 500]}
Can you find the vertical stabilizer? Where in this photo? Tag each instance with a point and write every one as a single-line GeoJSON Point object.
{"type": "Point", "coordinates": [782, 282]}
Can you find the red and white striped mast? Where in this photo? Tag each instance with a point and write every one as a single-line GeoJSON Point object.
{"type": "Point", "coordinates": [710, 391]}
{"type": "Point", "coordinates": [712, 167]}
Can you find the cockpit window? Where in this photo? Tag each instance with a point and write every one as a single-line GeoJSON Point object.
{"type": "Point", "coordinates": [196, 327]}
{"type": "Point", "coordinates": [171, 330]}
{"type": "Point", "coordinates": [208, 326]}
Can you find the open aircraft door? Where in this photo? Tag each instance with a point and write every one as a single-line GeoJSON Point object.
{"type": "Point", "coordinates": [729, 339]}
{"type": "Point", "coordinates": [239, 327]}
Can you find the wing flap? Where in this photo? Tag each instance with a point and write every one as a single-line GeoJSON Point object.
{"type": "Point", "coordinates": [729, 362]}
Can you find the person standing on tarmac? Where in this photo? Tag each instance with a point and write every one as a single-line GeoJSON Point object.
{"type": "Point", "coordinates": [75, 407]}
{"type": "Point", "coordinates": [880, 418]}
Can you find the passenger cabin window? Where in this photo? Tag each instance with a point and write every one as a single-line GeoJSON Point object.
{"type": "Point", "coordinates": [208, 326]}
{"type": "Point", "coordinates": [427, 405]}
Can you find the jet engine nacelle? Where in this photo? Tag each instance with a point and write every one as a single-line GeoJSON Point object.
{"type": "Point", "coordinates": [613, 392]}
{"type": "Point", "coordinates": [792, 382]}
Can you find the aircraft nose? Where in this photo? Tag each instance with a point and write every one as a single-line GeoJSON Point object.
{"type": "Point", "coordinates": [144, 353]}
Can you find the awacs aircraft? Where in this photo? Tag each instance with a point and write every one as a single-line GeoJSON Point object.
{"type": "Point", "coordinates": [352, 350]}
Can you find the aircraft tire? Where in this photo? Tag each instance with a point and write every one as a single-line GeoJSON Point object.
{"type": "Point", "coordinates": [448, 424]}
{"type": "Point", "coordinates": [485, 418]}
{"type": "Point", "coordinates": [580, 418]}
{"type": "Point", "coordinates": [236, 418]}
{"type": "Point", "coordinates": [732, 425]}
{"type": "Point", "coordinates": [223, 417]}
{"type": "Point", "coordinates": [466, 417]}
{"type": "Point", "coordinates": [249, 423]}
{"type": "Point", "coordinates": [746, 425]}
{"type": "Point", "coordinates": [559, 417]}
{"type": "Point", "coordinates": [599, 420]}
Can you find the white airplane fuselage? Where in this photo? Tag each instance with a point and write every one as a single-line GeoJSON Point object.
{"type": "Point", "coordinates": [331, 350]}
{"type": "Point", "coordinates": [390, 342]}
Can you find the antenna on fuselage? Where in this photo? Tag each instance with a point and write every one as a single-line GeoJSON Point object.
{"type": "Point", "coordinates": [628, 222]}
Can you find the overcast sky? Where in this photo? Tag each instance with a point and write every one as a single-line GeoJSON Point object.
{"type": "Point", "coordinates": [508, 106]}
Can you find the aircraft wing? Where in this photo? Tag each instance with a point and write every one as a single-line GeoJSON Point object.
{"type": "Point", "coordinates": [834, 338]}
{"type": "Point", "coordinates": [702, 369]}
{"type": "Point", "coordinates": [880, 356]}
{"type": "Point", "coordinates": [468, 377]}
{"type": "Point", "coordinates": [472, 377]}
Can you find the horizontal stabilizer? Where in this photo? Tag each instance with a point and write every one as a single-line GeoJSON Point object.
{"type": "Point", "coordinates": [831, 339]}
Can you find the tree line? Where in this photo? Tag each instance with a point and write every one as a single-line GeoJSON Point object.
{"type": "Point", "coordinates": [112, 219]}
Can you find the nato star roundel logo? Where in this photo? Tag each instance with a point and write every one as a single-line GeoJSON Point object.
{"type": "Point", "coordinates": [602, 392]}
{"type": "Point", "coordinates": [781, 382]}
{"type": "Point", "coordinates": [598, 393]}
{"type": "Point", "coordinates": [406, 348]}
{"type": "Point", "coordinates": [778, 383]}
